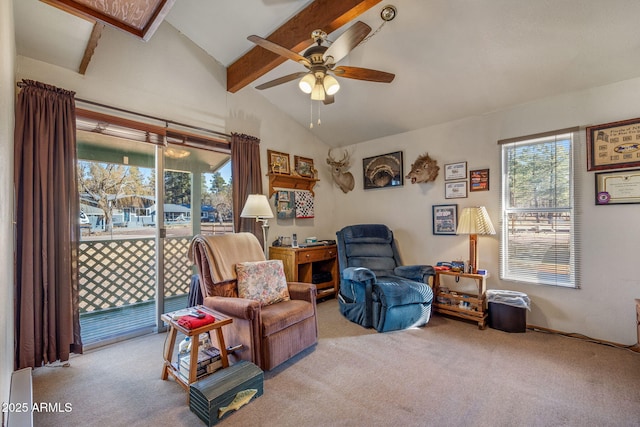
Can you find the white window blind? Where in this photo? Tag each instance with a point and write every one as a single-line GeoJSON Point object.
{"type": "Point", "coordinates": [539, 224]}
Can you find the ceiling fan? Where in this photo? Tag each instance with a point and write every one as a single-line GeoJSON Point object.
{"type": "Point", "coordinates": [321, 61]}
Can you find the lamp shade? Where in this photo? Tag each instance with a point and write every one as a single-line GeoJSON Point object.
{"type": "Point", "coordinates": [256, 206]}
{"type": "Point", "coordinates": [307, 83]}
{"type": "Point", "coordinates": [475, 220]}
{"type": "Point", "coordinates": [331, 85]}
{"type": "Point", "coordinates": [317, 94]}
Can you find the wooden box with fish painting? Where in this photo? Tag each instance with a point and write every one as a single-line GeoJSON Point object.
{"type": "Point", "coordinates": [217, 396]}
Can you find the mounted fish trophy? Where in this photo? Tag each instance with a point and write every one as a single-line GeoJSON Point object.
{"type": "Point", "coordinates": [424, 169]}
{"type": "Point", "coordinates": [339, 172]}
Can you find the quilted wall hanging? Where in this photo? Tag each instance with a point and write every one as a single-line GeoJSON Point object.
{"type": "Point", "coordinates": [304, 204]}
{"type": "Point", "coordinates": [285, 206]}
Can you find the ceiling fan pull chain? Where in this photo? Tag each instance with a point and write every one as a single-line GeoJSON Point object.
{"type": "Point", "coordinates": [319, 122]}
{"type": "Point", "coordinates": [310, 114]}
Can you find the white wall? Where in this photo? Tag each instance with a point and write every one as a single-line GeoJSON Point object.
{"type": "Point", "coordinates": [604, 306]}
{"type": "Point", "coordinates": [278, 132]}
{"type": "Point", "coordinates": [7, 93]}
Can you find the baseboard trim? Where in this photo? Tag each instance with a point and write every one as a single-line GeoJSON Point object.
{"type": "Point", "coordinates": [21, 395]}
{"type": "Point", "coordinates": [634, 347]}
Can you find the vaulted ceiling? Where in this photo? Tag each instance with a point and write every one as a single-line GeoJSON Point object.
{"type": "Point", "coordinates": [452, 58]}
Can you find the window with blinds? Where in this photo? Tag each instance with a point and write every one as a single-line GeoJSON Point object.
{"type": "Point", "coordinates": [539, 223]}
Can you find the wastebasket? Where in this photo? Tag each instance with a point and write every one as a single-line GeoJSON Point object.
{"type": "Point", "coordinates": [508, 310]}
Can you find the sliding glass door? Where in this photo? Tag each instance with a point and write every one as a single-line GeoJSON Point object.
{"type": "Point", "coordinates": [133, 251]}
{"type": "Point", "coordinates": [197, 198]}
{"type": "Point", "coordinates": [117, 252]}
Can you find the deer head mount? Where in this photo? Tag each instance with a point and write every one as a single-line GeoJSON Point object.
{"type": "Point", "coordinates": [339, 171]}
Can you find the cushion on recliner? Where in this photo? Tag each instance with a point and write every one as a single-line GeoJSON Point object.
{"type": "Point", "coordinates": [394, 291]}
{"type": "Point", "coordinates": [263, 281]}
{"type": "Point", "coordinates": [382, 250]}
{"type": "Point", "coordinates": [368, 233]}
{"type": "Point", "coordinates": [400, 316]}
{"type": "Point", "coordinates": [277, 317]}
{"type": "Point", "coordinates": [380, 266]}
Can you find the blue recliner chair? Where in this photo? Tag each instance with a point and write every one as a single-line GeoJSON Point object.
{"type": "Point", "coordinates": [376, 290]}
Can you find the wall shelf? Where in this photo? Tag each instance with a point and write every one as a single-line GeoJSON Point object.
{"type": "Point", "coordinates": [294, 182]}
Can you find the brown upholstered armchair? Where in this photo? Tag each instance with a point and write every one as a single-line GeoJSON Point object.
{"type": "Point", "coordinates": [269, 334]}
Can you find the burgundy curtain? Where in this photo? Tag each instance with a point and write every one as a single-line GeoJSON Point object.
{"type": "Point", "coordinates": [47, 210]}
{"type": "Point", "coordinates": [247, 179]}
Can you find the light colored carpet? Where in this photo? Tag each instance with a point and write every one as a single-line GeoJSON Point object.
{"type": "Point", "coordinates": [448, 373]}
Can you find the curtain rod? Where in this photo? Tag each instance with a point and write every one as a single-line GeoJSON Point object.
{"type": "Point", "coordinates": [226, 135]}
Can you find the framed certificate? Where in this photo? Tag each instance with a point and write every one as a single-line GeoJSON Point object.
{"type": "Point", "coordinates": [618, 187]}
{"type": "Point", "coordinates": [455, 190]}
{"type": "Point", "coordinates": [454, 171]}
{"type": "Point", "coordinates": [613, 145]}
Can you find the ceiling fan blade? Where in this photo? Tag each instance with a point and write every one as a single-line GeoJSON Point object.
{"type": "Point", "coordinates": [328, 99]}
{"type": "Point", "coordinates": [280, 50]}
{"type": "Point", "coordinates": [280, 80]}
{"type": "Point", "coordinates": [363, 74]}
{"type": "Point", "coordinates": [347, 41]}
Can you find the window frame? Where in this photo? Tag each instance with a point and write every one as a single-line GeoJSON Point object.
{"type": "Point", "coordinates": [535, 269]}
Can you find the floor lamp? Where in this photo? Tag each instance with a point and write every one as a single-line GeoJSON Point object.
{"type": "Point", "coordinates": [257, 206]}
{"type": "Point", "coordinates": [474, 221]}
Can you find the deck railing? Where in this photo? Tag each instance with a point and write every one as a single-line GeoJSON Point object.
{"type": "Point", "coordinates": [116, 273]}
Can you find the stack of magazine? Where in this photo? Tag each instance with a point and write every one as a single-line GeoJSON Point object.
{"type": "Point", "coordinates": [208, 362]}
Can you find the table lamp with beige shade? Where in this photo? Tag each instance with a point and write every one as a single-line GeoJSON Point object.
{"type": "Point", "coordinates": [474, 221]}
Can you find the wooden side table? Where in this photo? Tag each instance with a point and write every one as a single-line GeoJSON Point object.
{"type": "Point", "coordinates": [449, 302]}
{"type": "Point", "coordinates": [168, 367]}
{"type": "Point", "coordinates": [300, 264]}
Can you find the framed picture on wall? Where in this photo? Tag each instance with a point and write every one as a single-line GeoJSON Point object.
{"type": "Point", "coordinates": [278, 162]}
{"type": "Point", "coordinates": [479, 180]}
{"type": "Point", "coordinates": [303, 166]}
{"type": "Point", "coordinates": [445, 219]}
{"type": "Point", "coordinates": [454, 171]}
{"type": "Point", "coordinates": [455, 190]}
{"type": "Point", "coordinates": [382, 171]}
{"type": "Point", "coordinates": [613, 145]}
{"type": "Point", "coordinates": [618, 187]}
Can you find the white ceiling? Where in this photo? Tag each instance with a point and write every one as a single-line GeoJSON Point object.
{"type": "Point", "coordinates": [452, 58]}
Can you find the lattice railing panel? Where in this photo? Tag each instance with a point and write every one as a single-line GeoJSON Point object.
{"type": "Point", "coordinates": [113, 273]}
{"type": "Point", "coordinates": [177, 268]}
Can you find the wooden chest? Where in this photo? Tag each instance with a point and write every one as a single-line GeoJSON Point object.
{"type": "Point", "coordinates": [217, 396]}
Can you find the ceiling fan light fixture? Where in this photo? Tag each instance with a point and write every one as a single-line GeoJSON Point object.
{"type": "Point", "coordinates": [317, 94]}
{"type": "Point", "coordinates": [331, 85]}
{"type": "Point", "coordinates": [307, 83]}
{"type": "Point", "coordinates": [319, 60]}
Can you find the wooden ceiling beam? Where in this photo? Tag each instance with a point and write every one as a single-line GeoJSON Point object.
{"type": "Point", "coordinates": [91, 47]}
{"type": "Point", "coordinates": [295, 34]}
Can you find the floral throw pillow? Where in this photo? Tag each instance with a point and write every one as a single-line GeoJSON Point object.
{"type": "Point", "coordinates": [263, 281]}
